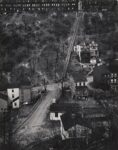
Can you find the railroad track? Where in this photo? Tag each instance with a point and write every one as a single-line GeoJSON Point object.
{"type": "Point", "coordinates": [31, 112]}
{"type": "Point", "coordinates": [74, 32]}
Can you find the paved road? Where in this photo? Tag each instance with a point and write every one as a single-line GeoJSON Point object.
{"type": "Point", "coordinates": [36, 120]}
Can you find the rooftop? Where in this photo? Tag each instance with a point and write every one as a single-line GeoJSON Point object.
{"type": "Point", "coordinates": [65, 107]}
{"type": "Point", "coordinates": [70, 120]}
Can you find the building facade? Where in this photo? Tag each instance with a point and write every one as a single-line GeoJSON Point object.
{"type": "Point", "coordinates": [19, 96]}
{"type": "Point", "coordinates": [10, 6]}
{"type": "Point", "coordinates": [98, 5]}
{"type": "Point", "coordinates": [111, 78]}
{"type": "Point", "coordinates": [25, 94]}
{"type": "Point", "coordinates": [14, 97]}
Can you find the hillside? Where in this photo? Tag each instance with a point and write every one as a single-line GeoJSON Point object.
{"type": "Point", "coordinates": [32, 46]}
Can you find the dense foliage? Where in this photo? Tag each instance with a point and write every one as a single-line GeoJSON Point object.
{"type": "Point", "coordinates": [32, 39]}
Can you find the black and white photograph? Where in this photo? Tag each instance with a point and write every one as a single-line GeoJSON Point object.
{"type": "Point", "coordinates": [58, 74]}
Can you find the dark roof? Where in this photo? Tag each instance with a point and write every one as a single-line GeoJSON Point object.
{"type": "Point", "coordinates": [69, 120]}
{"type": "Point", "coordinates": [26, 87]}
{"type": "Point", "coordinates": [79, 77]}
{"type": "Point", "coordinates": [113, 66]}
{"type": "Point", "coordinates": [81, 88]}
{"type": "Point", "coordinates": [10, 86]}
{"type": "Point", "coordinates": [65, 107]}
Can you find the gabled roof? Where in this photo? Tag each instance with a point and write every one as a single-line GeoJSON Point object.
{"type": "Point", "coordinates": [69, 120]}
{"type": "Point", "coordinates": [15, 85]}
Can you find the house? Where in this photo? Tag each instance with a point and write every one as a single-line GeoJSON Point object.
{"type": "Point", "coordinates": [81, 90]}
{"type": "Point", "coordinates": [14, 97]}
{"type": "Point", "coordinates": [93, 46]}
{"type": "Point", "coordinates": [88, 52]}
{"type": "Point", "coordinates": [58, 109]}
{"type": "Point", "coordinates": [81, 93]}
{"type": "Point", "coordinates": [99, 76]}
{"type": "Point", "coordinates": [112, 76]}
{"type": "Point", "coordinates": [74, 126]}
{"type": "Point", "coordinates": [25, 94]}
{"type": "Point", "coordinates": [100, 121]}
{"type": "Point", "coordinates": [85, 56]}
{"type": "Point", "coordinates": [19, 95]}
{"type": "Point", "coordinates": [83, 52]}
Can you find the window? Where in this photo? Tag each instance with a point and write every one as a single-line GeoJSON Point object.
{"type": "Point", "coordinates": [12, 95]}
{"type": "Point", "coordinates": [115, 75]}
{"type": "Point", "coordinates": [115, 81]}
{"type": "Point", "coordinates": [12, 90]}
{"type": "Point", "coordinates": [15, 104]}
{"type": "Point", "coordinates": [56, 114]}
{"type": "Point", "coordinates": [111, 74]}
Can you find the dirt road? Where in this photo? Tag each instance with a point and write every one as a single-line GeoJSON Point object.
{"type": "Point", "coordinates": [36, 120]}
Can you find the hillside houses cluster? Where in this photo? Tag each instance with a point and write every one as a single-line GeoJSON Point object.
{"type": "Point", "coordinates": [88, 52]}
{"type": "Point", "coordinates": [79, 118]}
{"type": "Point", "coordinates": [77, 122]}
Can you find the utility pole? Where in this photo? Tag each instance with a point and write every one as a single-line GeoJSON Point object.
{"type": "Point", "coordinates": [9, 127]}
{"type": "Point", "coordinates": [4, 125]}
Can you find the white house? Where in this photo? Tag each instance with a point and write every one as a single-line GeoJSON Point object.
{"type": "Point", "coordinates": [56, 111]}
{"type": "Point", "coordinates": [19, 95]}
{"type": "Point", "coordinates": [77, 49]}
{"type": "Point", "coordinates": [13, 97]}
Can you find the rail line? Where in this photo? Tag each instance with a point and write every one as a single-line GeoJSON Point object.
{"type": "Point", "coordinates": [31, 112]}
{"type": "Point", "coordinates": [74, 32]}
